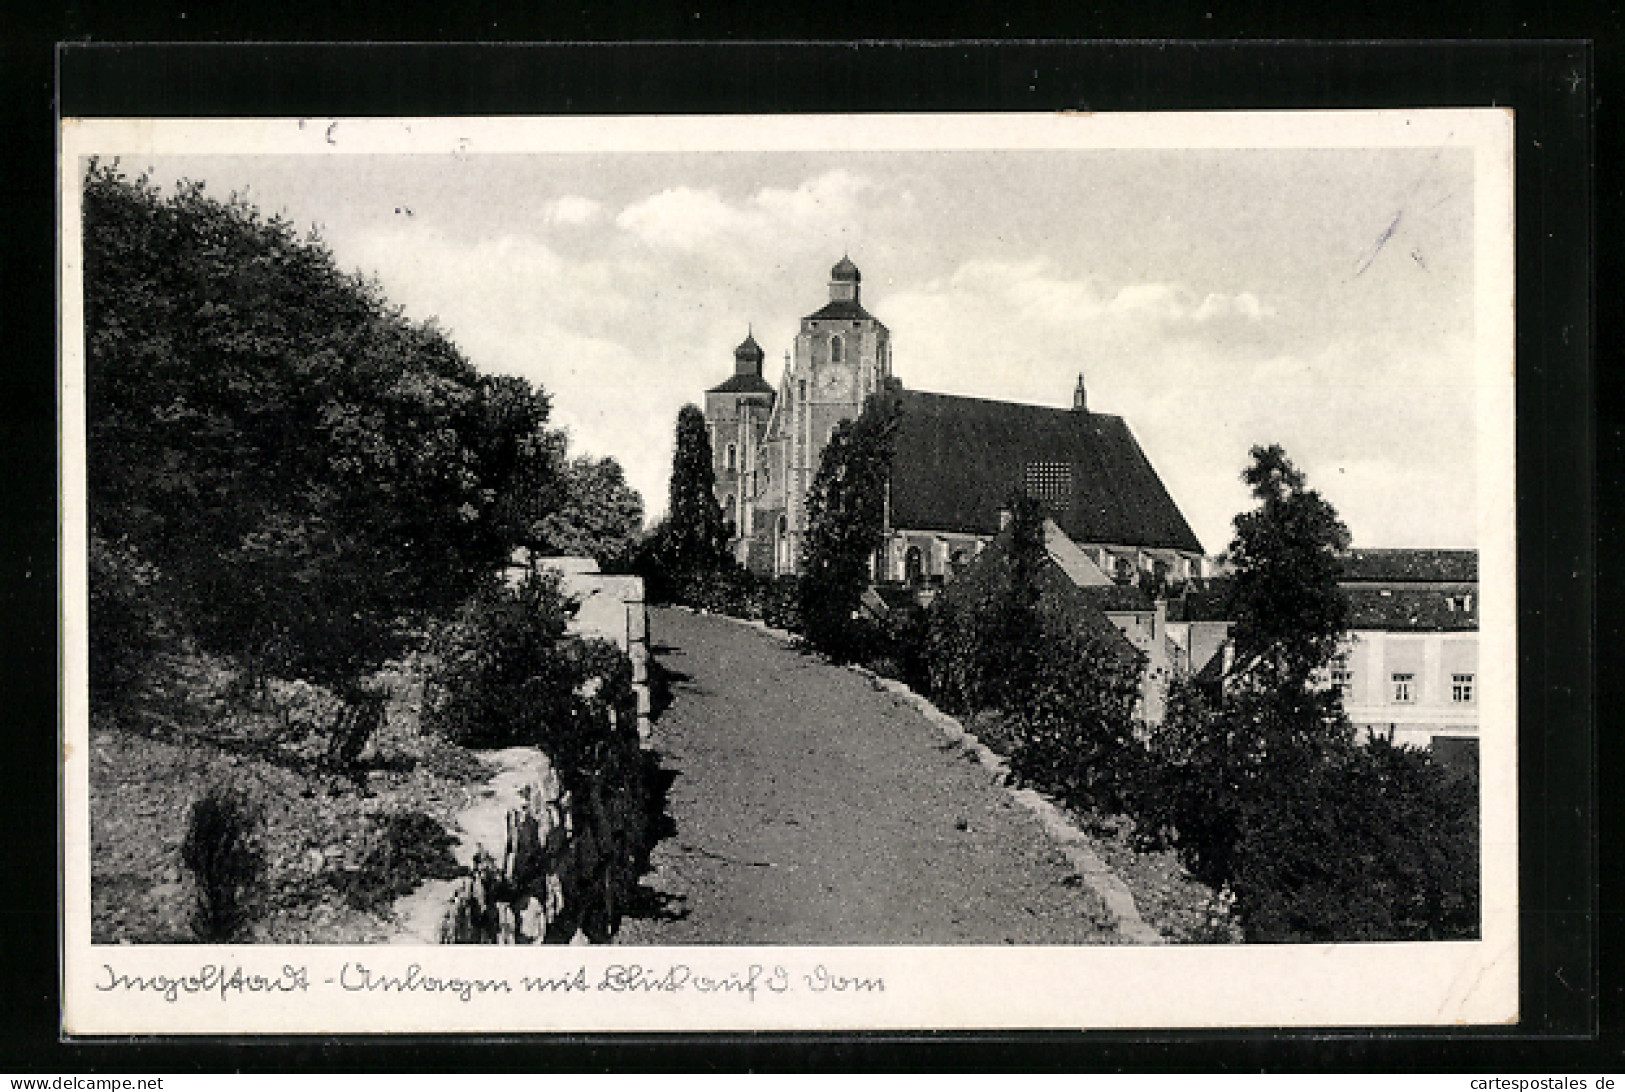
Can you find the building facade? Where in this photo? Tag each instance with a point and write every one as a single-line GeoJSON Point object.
{"type": "Point", "coordinates": [1410, 668]}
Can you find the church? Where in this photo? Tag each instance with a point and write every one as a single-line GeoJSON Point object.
{"type": "Point", "coordinates": [957, 461]}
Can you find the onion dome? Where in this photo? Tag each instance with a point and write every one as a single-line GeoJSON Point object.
{"type": "Point", "coordinates": [749, 351]}
{"type": "Point", "coordinates": [845, 271]}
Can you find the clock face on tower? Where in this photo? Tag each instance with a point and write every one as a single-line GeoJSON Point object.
{"type": "Point", "coordinates": [834, 383]}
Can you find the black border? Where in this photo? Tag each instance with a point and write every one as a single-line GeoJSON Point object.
{"type": "Point", "coordinates": [1548, 83]}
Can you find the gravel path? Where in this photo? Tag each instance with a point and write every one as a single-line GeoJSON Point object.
{"type": "Point", "coordinates": [811, 808]}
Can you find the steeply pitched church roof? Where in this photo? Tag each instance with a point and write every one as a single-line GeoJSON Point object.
{"type": "Point", "coordinates": [742, 384]}
{"type": "Point", "coordinates": [959, 458]}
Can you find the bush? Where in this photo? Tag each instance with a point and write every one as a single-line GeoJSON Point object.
{"type": "Point", "coordinates": [124, 632]}
{"type": "Point", "coordinates": [494, 671]}
{"type": "Point", "coordinates": [1320, 838]}
{"type": "Point", "coordinates": [1073, 734]}
{"type": "Point", "coordinates": [508, 675]}
{"type": "Point", "coordinates": [403, 850]}
{"type": "Point", "coordinates": [780, 600]}
{"type": "Point", "coordinates": [728, 589]}
{"type": "Point", "coordinates": [1377, 843]}
{"type": "Point", "coordinates": [221, 849]}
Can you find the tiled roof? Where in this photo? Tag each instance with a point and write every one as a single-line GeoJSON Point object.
{"type": "Point", "coordinates": [1203, 601]}
{"type": "Point", "coordinates": [841, 309]}
{"type": "Point", "coordinates": [1117, 597]}
{"type": "Point", "coordinates": [742, 384]}
{"type": "Point", "coordinates": [1412, 609]}
{"type": "Point", "coordinates": [959, 458]}
{"type": "Point", "coordinates": [1410, 566]}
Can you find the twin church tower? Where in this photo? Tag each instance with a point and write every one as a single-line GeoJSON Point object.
{"type": "Point", "coordinates": [957, 459]}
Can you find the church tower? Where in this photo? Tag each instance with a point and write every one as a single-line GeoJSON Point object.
{"type": "Point", "coordinates": [737, 412]}
{"type": "Point", "coordinates": [842, 355]}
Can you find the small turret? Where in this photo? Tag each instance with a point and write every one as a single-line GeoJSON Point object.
{"type": "Point", "coordinates": [1080, 399]}
{"type": "Point", "coordinates": [748, 357]}
{"type": "Point", "coordinates": [844, 280]}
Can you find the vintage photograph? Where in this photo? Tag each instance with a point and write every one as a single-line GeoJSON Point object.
{"type": "Point", "coordinates": [1008, 538]}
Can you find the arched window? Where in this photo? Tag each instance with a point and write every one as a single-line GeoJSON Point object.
{"type": "Point", "coordinates": [728, 507]}
{"type": "Point", "coordinates": [733, 456]}
{"type": "Point", "coordinates": [835, 348]}
{"type": "Point", "coordinates": [913, 565]}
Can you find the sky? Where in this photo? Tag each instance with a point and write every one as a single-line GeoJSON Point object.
{"type": "Point", "coordinates": [1321, 299]}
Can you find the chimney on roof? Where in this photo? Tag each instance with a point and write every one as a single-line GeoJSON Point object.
{"type": "Point", "coordinates": [1080, 400]}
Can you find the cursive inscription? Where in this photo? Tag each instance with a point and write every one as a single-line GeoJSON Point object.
{"type": "Point", "coordinates": [748, 982]}
{"type": "Point", "coordinates": [209, 979]}
{"type": "Point", "coordinates": [679, 977]}
{"type": "Point", "coordinates": [356, 978]}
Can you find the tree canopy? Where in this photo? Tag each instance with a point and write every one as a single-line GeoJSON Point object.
{"type": "Point", "coordinates": [598, 516]}
{"type": "Point", "coordinates": [299, 469]}
{"type": "Point", "coordinates": [1290, 615]}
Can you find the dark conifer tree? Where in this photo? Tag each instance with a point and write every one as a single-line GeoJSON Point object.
{"type": "Point", "coordinates": [846, 522]}
{"type": "Point", "coordinates": [694, 537]}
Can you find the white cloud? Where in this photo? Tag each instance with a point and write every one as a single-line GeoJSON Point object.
{"type": "Point", "coordinates": [813, 213]}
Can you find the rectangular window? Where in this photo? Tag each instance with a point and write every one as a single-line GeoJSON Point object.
{"type": "Point", "coordinates": [1050, 483]}
{"type": "Point", "coordinates": [1404, 687]}
{"type": "Point", "coordinates": [1343, 681]}
{"type": "Point", "coordinates": [1461, 688]}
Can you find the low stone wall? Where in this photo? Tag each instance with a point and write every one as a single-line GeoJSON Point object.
{"type": "Point", "coordinates": [545, 865]}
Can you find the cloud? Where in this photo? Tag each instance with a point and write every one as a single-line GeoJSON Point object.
{"type": "Point", "coordinates": [611, 335]}
{"type": "Point", "coordinates": [685, 218]}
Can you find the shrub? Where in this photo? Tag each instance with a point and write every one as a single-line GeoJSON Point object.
{"type": "Point", "coordinates": [495, 673]}
{"type": "Point", "coordinates": [780, 600]}
{"type": "Point", "coordinates": [727, 589]}
{"type": "Point", "coordinates": [1072, 735]}
{"type": "Point", "coordinates": [403, 850]}
{"type": "Point", "coordinates": [221, 849]}
{"type": "Point", "coordinates": [1320, 838]}
{"type": "Point", "coordinates": [124, 633]}
{"type": "Point", "coordinates": [508, 675]}
{"type": "Point", "coordinates": [1377, 843]}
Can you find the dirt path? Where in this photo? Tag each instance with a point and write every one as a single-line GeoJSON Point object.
{"type": "Point", "coordinates": [811, 808]}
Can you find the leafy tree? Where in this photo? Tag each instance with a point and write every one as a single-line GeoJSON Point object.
{"type": "Point", "coordinates": [1011, 635]}
{"type": "Point", "coordinates": [299, 473]}
{"type": "Point", "coordinates": [1264, 785]}
{"type": "Point", "coordinates": [600, 515]}
{"type": "Point", "coordinates": [846, 522]}
{"type": "Point", "coordinates": [691, 542]}
{"type": "Point", "coordinates": [1289, 613]}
